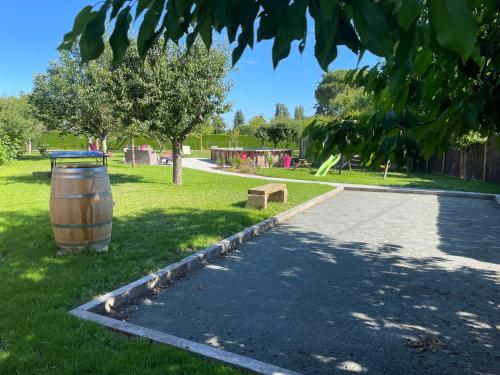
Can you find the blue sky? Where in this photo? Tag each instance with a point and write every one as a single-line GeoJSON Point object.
{"type": "Point", "coordinates": [30, 31]}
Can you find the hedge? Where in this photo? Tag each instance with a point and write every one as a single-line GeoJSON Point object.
{"type": "Point", "coordinates": [58, 141]}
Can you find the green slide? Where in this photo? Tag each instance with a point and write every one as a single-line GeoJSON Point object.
{"type": "Point", "coordinates": [325, 167]}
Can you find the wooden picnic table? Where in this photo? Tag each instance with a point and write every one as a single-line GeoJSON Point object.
{"type": "Point", "coordinates": [302, 163]}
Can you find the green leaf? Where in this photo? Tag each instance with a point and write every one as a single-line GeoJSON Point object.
{"type": "Point", "coordinates": [147, 30]}
{"type": "Point", "coordinates": [243, 40]}
{"type": "Point", "coordinates": [401, 98]}
{"type": "Point", "coordinates": [326, 7]}
{"type": "Point", "coordinates": [82, 18]}
{"type": "Point", "coordinates": [403, 61]}
{"type": "Point", "coordinates": [293, 26]}
{"type": "Point", "coordinates": [119, 39]}
{"type": "Point", "coordinates": [116, 6]}
{"type": "Point", "coordinates": [91, 43]}
{"type": "Point", "coordinates": [326, 35]}
{"type": "Point", "coordinates": [372, 26]}
{"type": "Point", "coordinates": [347, 36]}
{"type": "Point", "coordinates": [454, 25]}
{"type": "Point", "coordinates": [409, 12]}
{"type": "Point", "coordinates": [205, 29]}
{"type": "Point", "coordinates": [141, 6]}
{"type": "Point", "coordinates": [422, 61]}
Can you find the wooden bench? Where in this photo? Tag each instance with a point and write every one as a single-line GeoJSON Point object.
{"type": "Point", "coordinates": [259, 196]}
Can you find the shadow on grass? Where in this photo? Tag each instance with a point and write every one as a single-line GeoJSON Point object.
{"type": "Point", "coordinates": [363, 301]}
{"type": "Point", "coordinates": [39, 287]}
{"type": "Point", "coordinates": [44, 178]}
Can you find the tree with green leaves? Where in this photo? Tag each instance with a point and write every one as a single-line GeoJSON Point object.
{"type": "Point", "coordinates": [186, 91]}
{"type": "Point", "coordinates": [219, 125]}
{"type": "Point", "coordinates": [74, 97]}
{"type": "Point", "coordinates": [17, 126]}
{"type": "Point", "coordinates": [282, 130]}
{"type": "Point", "coordinates": [260, 132]}
{"type": "Point", "coordinates": [239, 120]}
{"type": "Point", "coordinates": [131, 100]}
{"type": "Point", "coordinates": [281, 111]}
{"type": "Point", "coordinates": [255, 122]}
{"type": "Point", "coordinates": [335, 97]}
{"type": "Point", "coordinates": [298, 113]}
{"type": "Point", "coordinates": [439, 78]}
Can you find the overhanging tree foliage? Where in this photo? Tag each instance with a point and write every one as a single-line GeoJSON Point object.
{"type": "Point", "coordinates": [441, 57]}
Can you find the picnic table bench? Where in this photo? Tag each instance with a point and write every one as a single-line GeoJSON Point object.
{"type": "Point", "coordinates": [302, 163]}
{"type": "Point", "coordinates": [259, 196]}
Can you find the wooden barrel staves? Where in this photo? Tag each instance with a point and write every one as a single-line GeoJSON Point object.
{"type": "Point", "coordinates": [81, 208]}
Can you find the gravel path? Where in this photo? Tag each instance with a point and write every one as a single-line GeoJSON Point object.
{"type": "Point", "coordinates": [366, 282]}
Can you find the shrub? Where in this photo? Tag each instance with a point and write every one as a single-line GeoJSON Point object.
{"type": "Point", "coordinates": [270, 160]}
{"type": "Point", "coordinates": [220, 163]}
{"type": "Point", "coordinates": [247, 166]}
{"type": "Point", "coordinates": [43, 148]}
{"type": "Point", "coordinates": [235, 162]}
{"type": "Point", "coordinates": [9, 150]}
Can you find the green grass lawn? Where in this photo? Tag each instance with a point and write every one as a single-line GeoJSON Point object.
{"type": "Point", "coordinates": [155, 223]}
{"type": "Point", "coordinates": [416, 180]}
{"type": "Point", "coordinates": [199, 154]}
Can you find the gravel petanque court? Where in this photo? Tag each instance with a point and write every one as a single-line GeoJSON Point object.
{"type": "Point", "coordinates": [366, 282]}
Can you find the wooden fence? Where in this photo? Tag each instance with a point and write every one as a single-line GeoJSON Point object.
{"type": "Point", "coordinates": [481, 162]}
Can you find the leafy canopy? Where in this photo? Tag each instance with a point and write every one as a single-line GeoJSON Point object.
{"type": "Point", "coordinates": [75, 97]}
{"type": "Point", "coordinates": [358, 24]}
{"type": "Point", "coordinates": [439, 77]}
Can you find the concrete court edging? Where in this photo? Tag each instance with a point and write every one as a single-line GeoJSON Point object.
{"type": "Point", "coordinates": [109, 301]}
{"type": "Point", "coordinates": [106, 303]}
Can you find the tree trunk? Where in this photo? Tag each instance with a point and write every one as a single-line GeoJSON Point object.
{"type": "Point", "coordinates": [104, 142]}
{"type": "Point", "coordinates": [132, 142]}
{"type": "Point", "coordinates": [408, 167]}
{"type": "Point", "coordinates": [177, 161]}
{"type": "Point", "coordinates": [443, 163]}
{"type": "Point", "coordinates": [485, 159]}
{"type": "Point", "coordinates": [30, 146]}
{"type": "Point", "coordinates": [386, 169]}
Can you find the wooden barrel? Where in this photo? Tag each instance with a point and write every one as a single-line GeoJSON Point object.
{"type": "Point", "coordinates": [81, 208]}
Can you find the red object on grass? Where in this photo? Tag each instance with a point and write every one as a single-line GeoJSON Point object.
{"type": "Point", "coordinates": [287, 161]}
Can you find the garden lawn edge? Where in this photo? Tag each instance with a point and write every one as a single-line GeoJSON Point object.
{"type": "Point", "coordinates": [110, 301]}
{"type": "Point", "coordinates": [107, 303]}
